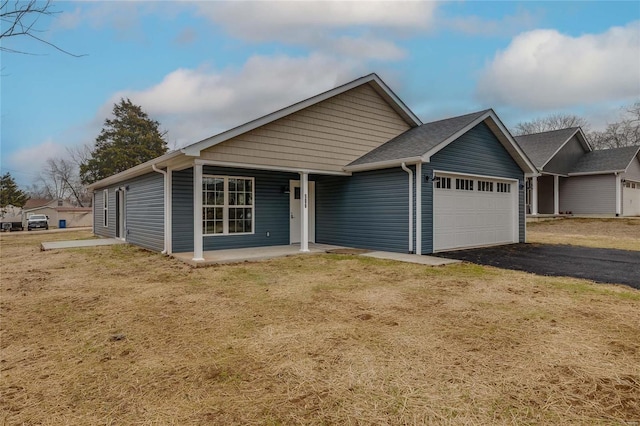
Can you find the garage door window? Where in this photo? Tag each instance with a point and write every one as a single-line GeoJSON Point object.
{"type": "Point", "coordinates": [464, 184]}
{"type": "Point", "coordinates": [485, 186]}
{"type": "Point", "coordinates": [443, 183]}
{"type": "Point", "coordinates": [503, 187]}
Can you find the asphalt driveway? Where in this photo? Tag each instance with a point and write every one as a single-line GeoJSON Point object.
{"type": "Point", "coordinates": [596, 264]}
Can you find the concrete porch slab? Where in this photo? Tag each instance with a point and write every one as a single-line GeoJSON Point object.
{"type": "Point", "coordinates": [215, 257]}
{"type": "Point", "coordinates": [56, 245]}
{"type": "Point", "coordinates": [254, 254]}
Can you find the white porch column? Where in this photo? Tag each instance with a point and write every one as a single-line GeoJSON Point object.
{"type": "Point", "coordinates": [304, 211]}
{"type": "Point", "coordinates": [618, 197]}
{"type": "Point", "coordinates": [197, 213]}
{"type": "Point", "coordinates": [169, 212]}
{"type": "Point", "coordinates": [556, 195]}
{"type": "Point", "coordinates": [419, 208]}
{"type": "Point", "coordinates": [534, 195]}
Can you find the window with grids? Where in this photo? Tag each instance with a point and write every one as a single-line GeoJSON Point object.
{"type": "Point", "coordinates": [503, 187]}
{"type": "Point", "coordinates": [485, 186]}
{"type": "Point", "coordinates": [443, 183]}
{"type": "Point", "coordinates": [105, 208]}
{"type": "Point", "coordinates": [464, 184]}
{"type": "Point", "coordinates": [227, 205]}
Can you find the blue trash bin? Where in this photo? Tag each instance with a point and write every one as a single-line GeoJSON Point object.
{"type": "Point", "coordinates": [62, 223]}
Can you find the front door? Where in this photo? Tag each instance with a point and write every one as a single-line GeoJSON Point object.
{"type": "Point", "coordinates": [295, 211]}
{"type": "Point", "coordinates": [120, 214]}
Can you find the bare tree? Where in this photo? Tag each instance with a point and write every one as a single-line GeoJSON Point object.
{"type": "Point", "coordinates": [550, 122]}
{"type": "Point", "coordinates": [79, 154]}
{"type": "Point", "coordinates": [625, 132]}
{"type": "Point", "coordinates": [60, 180]}
{"type": "Point", "coordinates": [20, 18]}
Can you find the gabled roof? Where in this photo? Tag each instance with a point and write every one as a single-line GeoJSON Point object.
{"type": "Point", "coordinates": [183, 156]}
{"type": "Point", "coordinates": [417, 141]}
{"type": "Point", "coordinates": [420, 143]}
{"type": "Point", "coordinates": [542, 147]}
{"type": "Point", "coordinates": [605, 161]}
{"type": "Point", "coordinates": [33, 203]}
{"type": "Point", "coordinates": [372, 79]}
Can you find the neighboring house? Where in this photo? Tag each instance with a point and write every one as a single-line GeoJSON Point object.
{"type": "Point", "coordinates": [352, 166]}
{"type": "Point", "coordinates": [573, 178]}
{"type": "Point", "coordinates": [57, 211]}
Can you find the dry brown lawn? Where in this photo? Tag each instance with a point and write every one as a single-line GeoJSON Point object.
{"type": "Point", "coordinates": [119, 335]}
{"type": "Point", "coordinates": [604, 233]}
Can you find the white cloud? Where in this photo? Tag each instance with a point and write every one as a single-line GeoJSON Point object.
{"type": "Point", "coordinates": [355, 29]}
{"type": "Point", "coordinates": [265, 21]}
{"type": "Point", "coordinates": [546, 69]}
{"type": "Point", "coordinates": [196, 103]}
{"type": "Point", "coordinates": [27, 163]}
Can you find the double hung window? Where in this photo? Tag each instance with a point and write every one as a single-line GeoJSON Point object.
{"type": "Point", "coordinates": [227, 205]}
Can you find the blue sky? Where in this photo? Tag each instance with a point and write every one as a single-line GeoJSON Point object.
{"type": "Point", "coordinates": [202, 67]}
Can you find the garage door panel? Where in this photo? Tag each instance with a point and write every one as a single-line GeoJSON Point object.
{"type": "Point", "coordinates": [471, 218]}
{"type": "Point", "coordinates": [631, 199]}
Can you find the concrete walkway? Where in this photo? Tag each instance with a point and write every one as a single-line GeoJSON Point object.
{"type": "Point", "coordinates": [55, 245]}
{"type": "Point", "coordinates": [411, 258]}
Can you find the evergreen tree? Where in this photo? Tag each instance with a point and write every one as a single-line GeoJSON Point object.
{"type": "Point", "coordinates": [129, 139]}
{"type": "Point", "coordinates": [10, 194]}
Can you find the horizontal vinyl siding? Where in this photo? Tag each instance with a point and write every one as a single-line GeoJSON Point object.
{"type": "Point", "coordinates": [144, 211]}
{"type": "Point", "coordinates": [98, 214]}
{"type": "Point", "coordinates": [566, 158]}
{"type": "Point", "coordinates": [271, 210]}
{"type": "Point", "coordinates": [182, 211]}
{"type": "Point", "coordinates": [325, 136]}
{"type": "Point", "coordinates": [633, 171]}
{"type": "Point", "coordinates": [367, 210]}
{"type": "Point", "coordinates": [588, 194]}
{"type": "Point", "coordinates": [477, 152]}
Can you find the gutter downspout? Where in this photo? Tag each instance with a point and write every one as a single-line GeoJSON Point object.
{"type": "Point", "coordinates": [410, 172]}
{"type": "Point", "coordinates": [166, 209]}
{"type": "Point", "coordinates": [618, 194]}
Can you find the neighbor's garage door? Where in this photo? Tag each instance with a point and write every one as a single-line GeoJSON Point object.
{"type": "Point", "coordinates": [631, 199]}
{"type": "Point", "coordinates": [472, 211]}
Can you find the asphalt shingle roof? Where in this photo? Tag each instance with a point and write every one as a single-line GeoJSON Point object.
{"type": "Point", "coordinates": [540, 147]}
{"type": "Point", "coordinates": [418, 140]}
{"type": "Point", "coordinates": [605, 160]}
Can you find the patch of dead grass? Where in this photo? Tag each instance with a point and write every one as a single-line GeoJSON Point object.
{"type": "Point", "coordinates": [623, 234]}
{"type": "Point", "coordinates": [118, 335]}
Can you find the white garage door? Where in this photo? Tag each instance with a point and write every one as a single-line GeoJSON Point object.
{"type": "Point", "coordinates": [473, 211]}
{"type": "Point", "coordinates": [631, 199]}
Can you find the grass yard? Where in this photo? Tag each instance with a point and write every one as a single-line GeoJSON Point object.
{"type": "Point", "coordinates": [119, 335]}
{"type": "Point", "coordinates": [621, 234]}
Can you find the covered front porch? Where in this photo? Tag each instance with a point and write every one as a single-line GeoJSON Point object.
{"type": "Point", "coordinates": [543, 194]}
{"type": "Point", "coordinates": [216, 257]}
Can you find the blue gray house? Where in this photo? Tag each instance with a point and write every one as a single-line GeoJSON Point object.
{"type": "Point", "coordinates": [353, 166]}
{"type": "Point", "coordinates": [573, 178]}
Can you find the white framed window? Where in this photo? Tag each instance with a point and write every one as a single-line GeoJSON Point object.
{"type": "Point", "coordinates": [227, 205]}
{"type": "Point", "coordinates": [503, 187]}
{"type": "Point", "coordinates": [105, 208]}
{"type": "Point", "coordinates": [485, 186]}
{"type": "Point", "coordinates": [443, 183]}
{"type": "Point", "coordinates": [464, 184]}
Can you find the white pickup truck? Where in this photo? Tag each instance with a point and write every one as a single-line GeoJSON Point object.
{"type": "Point", "coordinates": [37, 221]}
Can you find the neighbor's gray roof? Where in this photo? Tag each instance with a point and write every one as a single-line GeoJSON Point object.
{"type": "Point", "coordinates": [540, 147]}
{"type": "Point", "coordinates": [606, 160]}
{"type": "Point", "coordinates": [418, 140]}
